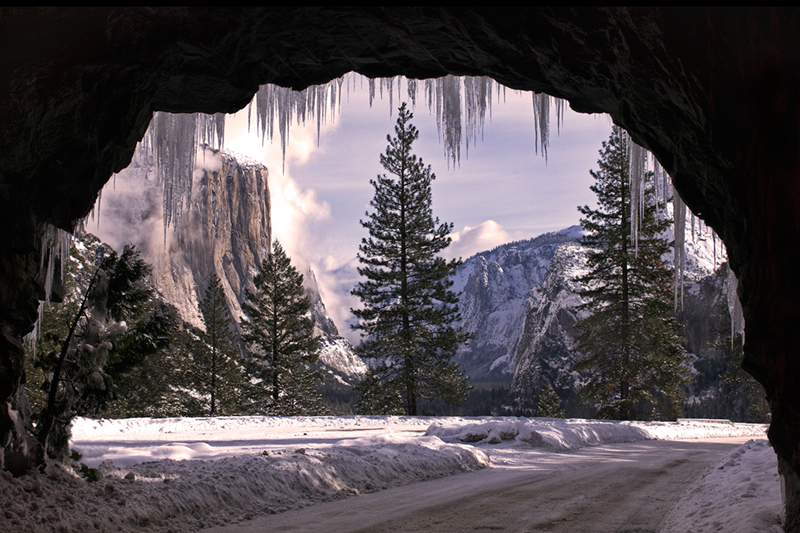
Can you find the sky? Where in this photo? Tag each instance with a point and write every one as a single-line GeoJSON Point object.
{"type": "Point", "coordinates": [502, 190]}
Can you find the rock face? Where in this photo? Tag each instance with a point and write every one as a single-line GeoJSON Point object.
{"type": "Point", "coordinates": [713, 93]}
{"type": "Point", "coordinates": [226, 231]}
{"type": "Point", "coordinates": [546, 349]}
{"type": "Point", "coordinates": [494, 289]}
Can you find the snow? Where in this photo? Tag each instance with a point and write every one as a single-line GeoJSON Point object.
{"type": "Point", "coordinates": [562, 435]}
{"type": "Point", "coordinates": [183, 474]}
{"type": "Point", "coordinates": [741, 494]}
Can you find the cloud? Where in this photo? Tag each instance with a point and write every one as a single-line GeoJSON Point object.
{"type": "Point", "coordinates": [295, 214]}
{"type": "Point", "coordinates": [336, 279]}
{"type": "Point", "coordinates": [470, 241]}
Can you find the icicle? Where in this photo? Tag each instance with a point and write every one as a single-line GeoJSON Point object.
{"type": "Point", "coordinates": [412, 92]}
{"type": "Point", "coordinates": [388, 84]}
{"type": "Point", "coordinates": [658, 188]}
{"type": "Point", "coordinates": [444, 99]}
{"type": "Point", "coordinates": [477, 97]}
{"type": "Point", "coordinates": [734, 306]}
{"type": "Point", "coordinates": [637, 174]}
{"type": "Point", "coordinates": [172, 140]}
{"type": "Point", "coordinates": [371, 92]}
{"type": "Point", "coordinates": [714, 240]}
{"type": "Point", "coordinates": [541, 122]}
{"type": "Point", "coordinates": [97, 205]}
{"type": "Point", "coordinates": [211, 130]}
{"type": "Point", "coordinates": [55, 243]}
{"type": "Point", "coordinates": [679, 212]}
{"type": "Point", "coordinates": [560, 104]}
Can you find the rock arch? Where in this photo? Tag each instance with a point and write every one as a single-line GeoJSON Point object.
{"type": "Point", "coordinates": [713, 93]}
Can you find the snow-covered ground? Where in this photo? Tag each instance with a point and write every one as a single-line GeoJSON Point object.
{"type": "Point", "coordinates": [740, 494]}
{"type": "Point", "coordinates": [185, 474]}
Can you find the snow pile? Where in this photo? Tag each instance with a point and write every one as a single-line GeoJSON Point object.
{"type": "Point", "coordinates": [570, 434]}
{"type": "Point", "coordinates": [90, 429]}
{"type": "Point", "coordinates": [135, 440]}
{"type": "Point", "coordinates": [188, 495]}
{"type": "Point", "coordinates": [686, 428]}
{"type": "Point", "coordinates": [556, 434]}
{"type": "Point", "coordinates": [740, 494]}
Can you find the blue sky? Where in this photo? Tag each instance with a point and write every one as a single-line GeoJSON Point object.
{"type": "Point", "coordinates": [501, 191]}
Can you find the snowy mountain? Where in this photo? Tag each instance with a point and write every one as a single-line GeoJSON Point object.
{"type": "Point", "coordinates": [546, 352]}
{"type": "Point", "coordinates": [546, 349]}
{"type": "Point", "coordinates": [494, 289]}
{"type": "Point", "coordinates": [519, 301]}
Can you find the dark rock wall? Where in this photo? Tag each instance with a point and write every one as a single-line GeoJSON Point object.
{"type": "Point", "coordinates": [714, 93]}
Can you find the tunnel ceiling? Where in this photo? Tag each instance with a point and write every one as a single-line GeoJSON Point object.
{"type": "Point", "coordinates": [78, 87]}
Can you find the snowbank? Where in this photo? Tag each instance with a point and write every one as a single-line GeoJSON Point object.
{"type": "Point", "coordinates": [94, 429]}
{"type": "Point", "coordinates": [741, 494]}
{"type": "Point", "coordinates": [569, 434]}
{"type": "Point", "coordinates": [187, 495]}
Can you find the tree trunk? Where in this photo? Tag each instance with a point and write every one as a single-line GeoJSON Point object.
{"type": "Point", "coordinates": [624, 411]}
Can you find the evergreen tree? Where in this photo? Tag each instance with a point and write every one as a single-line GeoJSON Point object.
{"type": "Point", "coordinates": [409, 312]}
{"type": "Point", "coordinates": [549, 404]}
{"type": "Point", "coordinates": [634, 361]}
{"type": "Point", "coordinates": [374, 398]}
{"type": "Point", "coordinates": [162, 384]}
{"type": "Point", "coordinates": [147, 343]}
{"type": "Point", "coordinates": [220, 376]}
{"type": "Point", "coordinates": [279, 338]}
{"type": "Point", "coordinates": [77, 347]}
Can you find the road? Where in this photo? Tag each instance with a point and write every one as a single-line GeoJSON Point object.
{"type": "Point", "coordinates": [621, 487]}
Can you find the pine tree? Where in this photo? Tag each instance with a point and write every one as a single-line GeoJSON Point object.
{"type": "Point", "coordinates": [220, 376]}
{"type": "Point", "coordinates": [279, 338]}
{"type": "Point", "coordinates": [374, 398]}
{"type": "Point", "coordinates": [75, 354]}
{"type": "Point", "coordinates": [409, 312]}
{"type": "Point", "coordinates": [549, 404]}
{"type": "Point", "coordinates": [634, 361]}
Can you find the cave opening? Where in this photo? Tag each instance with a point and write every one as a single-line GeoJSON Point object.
{"type": "Point", "coordinates": [689, 84]}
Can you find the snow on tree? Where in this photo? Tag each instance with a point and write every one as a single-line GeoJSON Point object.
{"type": "Point", "coordinates": [93, 317]}
{"type": "Point", "coordinates": [634, 362]}
{"type": "Point", "coordinates": [279, 339]}
{"type": "Point", "coordinates": [409, 315]}
{"type": "Point", "coordinates": [215, 360]}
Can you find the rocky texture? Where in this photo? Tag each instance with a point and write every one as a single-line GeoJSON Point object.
{"type": "Point", "coordinates": [226, 231]}
{"type": "Point", "coordinates": [336, 354]}
{"type": "Point", "coordinates": [494, 288]}
{"type": "Point", "coordinates": [713, 93]}
{"type": "Point", "coordinates": [546, 350]}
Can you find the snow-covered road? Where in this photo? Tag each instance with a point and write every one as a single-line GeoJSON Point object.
{"type": "Point", "coordinates": [357, 473]}
{"type": "Point", "coordinates": [618, 487]}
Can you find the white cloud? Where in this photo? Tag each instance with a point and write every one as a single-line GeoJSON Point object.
{"type": "Point", "coordinates": [295, 212]}
{"type": "Point", "coordinates": [470, 241]}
